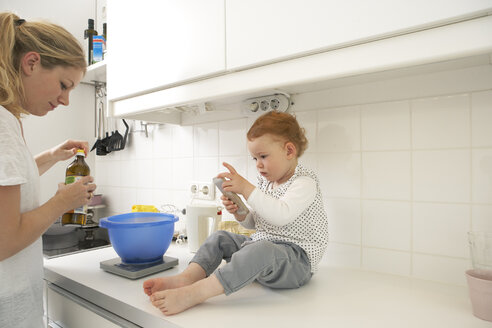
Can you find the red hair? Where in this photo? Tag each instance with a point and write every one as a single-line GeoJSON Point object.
{"type": "Point", "coordinates": [280, 124]}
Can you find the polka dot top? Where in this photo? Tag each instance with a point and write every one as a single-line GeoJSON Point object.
{"type": "Point", "coordinates": [309, 230]}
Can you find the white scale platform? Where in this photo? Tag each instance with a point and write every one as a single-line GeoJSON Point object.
{"type": "Point", "coordinates": [136, 271]}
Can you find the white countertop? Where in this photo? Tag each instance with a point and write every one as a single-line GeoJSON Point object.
{"type": "Point", "coordinates": [335, 297]}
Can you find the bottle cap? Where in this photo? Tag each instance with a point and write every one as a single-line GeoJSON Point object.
{"type": "Point", "coordinates": [80, 152]}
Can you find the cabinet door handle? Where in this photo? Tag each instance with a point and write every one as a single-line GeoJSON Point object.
{"type": "Point", "coordinates": [93, 308]}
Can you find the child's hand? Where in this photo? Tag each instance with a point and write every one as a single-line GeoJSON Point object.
{"type": "Point", "coordinates": [235, 182]}
{"type": "Point", "coordinates": [229, 204]}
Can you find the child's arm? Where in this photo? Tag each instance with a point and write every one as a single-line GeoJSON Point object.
{"type": "Point", "coordinates": [285, 210]}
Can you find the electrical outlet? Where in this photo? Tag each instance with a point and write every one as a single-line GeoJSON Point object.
{"type": "Point", "coordinates": [259, 105]}
{"type": "Point", "coordinates": [203, 190]}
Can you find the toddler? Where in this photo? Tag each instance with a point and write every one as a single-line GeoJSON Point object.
{"type": "Point", "coordinates": [286, 211]}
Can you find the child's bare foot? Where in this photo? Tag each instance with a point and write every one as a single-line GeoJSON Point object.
{"type": "Point", "coordinates": [153, 285]}
{"type": "Point", "coordinates": [172, 301]}
{"type": "Point", "coordinates": [191, 274]}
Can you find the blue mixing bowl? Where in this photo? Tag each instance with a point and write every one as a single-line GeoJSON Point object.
{"type": "Point", "coordinates": [140, 237]}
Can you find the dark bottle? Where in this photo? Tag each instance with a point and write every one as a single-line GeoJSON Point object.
{"type": "Point", "coordinates": [104, 32]}
{"type": "Point", "coordinates": [76, 170]}
{"type": "Point", "coordinates": [88, 34]}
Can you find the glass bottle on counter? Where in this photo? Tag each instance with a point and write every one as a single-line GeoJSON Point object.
{"type": "Point", "coordinates": [89, 34]}
{"type": "Point", "coordinates": [75, 171]}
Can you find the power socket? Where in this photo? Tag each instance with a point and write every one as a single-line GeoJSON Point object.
{"type": "Point", "coordinates": [260, 105]}
{"type": "Point", "coordinates": [203, 190]}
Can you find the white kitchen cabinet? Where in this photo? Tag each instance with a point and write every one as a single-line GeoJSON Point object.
{"type": "Point", "coordinates": [261, 31]}
{"type": "Point", "coordinates": [156, 44]}
{"type": "Point", "coordinates": [66, 310]}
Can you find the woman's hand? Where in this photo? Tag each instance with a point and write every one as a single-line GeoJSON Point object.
{"type": "Point", "coordinates": [62, 152]}
{"type": "Point", "coordinates": [234, 182]}
{"type": "Point", "coordinates": [76, 194]}
{"type": "Point", "coordinates": [68, 149]}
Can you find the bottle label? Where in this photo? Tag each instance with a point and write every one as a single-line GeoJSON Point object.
{"type": "Point", "coordinates": [71, 179]}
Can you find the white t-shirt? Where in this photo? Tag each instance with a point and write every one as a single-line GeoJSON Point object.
{"type": "Point", "coordinates": [292, 212]}
{"type": "Point", "coordinates": [21, 275]}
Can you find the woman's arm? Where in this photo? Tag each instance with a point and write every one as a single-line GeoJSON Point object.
{"type": "Point", "coordinates": [19, 230]}
{"type": "Point", "coordinates": [63, 151]}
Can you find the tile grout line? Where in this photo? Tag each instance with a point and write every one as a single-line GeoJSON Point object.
{"type": "Point", "coordinates": [412, 236]}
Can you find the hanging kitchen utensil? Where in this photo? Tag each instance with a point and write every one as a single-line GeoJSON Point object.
{"type": "Point", "coordinates": [116, 139]}
{"type": "Point", "coordinates": [105, 141]}
{"type": "Point", "coordinates": [98, 144]}
{"type": "Point", "coordinates": [101, 147]}
{"type": "Point", "coordinates": [123, 143]}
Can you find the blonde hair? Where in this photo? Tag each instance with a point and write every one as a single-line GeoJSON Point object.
{"type": "Point", "coordinates": [55, 45]}
{"type": "Point", "coordinates": [280, 124]}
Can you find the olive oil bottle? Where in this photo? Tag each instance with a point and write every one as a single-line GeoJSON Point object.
{"type": "Point", "coordinates": [75, 171]}
{"type": "Point", "coordinates": [89, 34]}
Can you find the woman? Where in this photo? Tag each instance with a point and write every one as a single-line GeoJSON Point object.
{"type": "Point", "coordinates": [40, 63]}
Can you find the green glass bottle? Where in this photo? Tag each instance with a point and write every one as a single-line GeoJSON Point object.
{"type": "Point", "coordinates": [89, 34]}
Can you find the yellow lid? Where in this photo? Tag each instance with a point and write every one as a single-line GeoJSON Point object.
{"type": "Point", "coordinates": [80, 152]}
{"type": "Point", "coordinates": [144, 208]}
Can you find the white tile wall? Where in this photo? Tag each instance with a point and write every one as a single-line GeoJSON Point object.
{"type": "Point", "coordinates": [405, 167]}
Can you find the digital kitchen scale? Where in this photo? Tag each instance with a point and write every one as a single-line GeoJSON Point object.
{"type": "Point", "coordinates": [136, 271]}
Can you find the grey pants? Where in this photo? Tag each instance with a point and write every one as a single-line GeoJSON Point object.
{"type": "Point", "coordinates": [272, 264]}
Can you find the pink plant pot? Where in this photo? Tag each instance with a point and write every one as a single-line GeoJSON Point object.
{"type": "Point", "coordinates": [480, 289]}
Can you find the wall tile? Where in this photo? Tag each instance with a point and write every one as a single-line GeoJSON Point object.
{"type": "Point", "coordinates": [386, 175]}
{"type": "Point", "coordinates": [206, 140]}
{"type": "Point", "coordinates": [340, 174]}
{"type": "Point", "coordinates": [482, 119]}
{"type": "Point", "coordinates": [309, 160]}
{"type": "Point", "coordinates": [162, 144]}
{"type": "Point", "coordinates": [342, 255]}
{"type": "Point", "coordinates": [442, 175]}
{"type": "Point", "coordinates": [128, 173]}
{"type": "Point", "coordinates": [127, 198]}
{"type": "Point", "coordinates": [308, 121]}
{"type": "Point", "coordinates": [441, 229]}
{"type": "Point", "coordinates": [144, 173]}
{"type": "Point", "coordinates": [386, 261]}
{"type": "Point", "coordinates": [144, 197]}
{"type": "Point", "coordinates": [481, 218]}
{"type": "Point", "coordinates": [344, 220]}
{"type": "Point", "coordinates": [386, 224]}
{"type": "Point", "coordinates": [339, 129]}
{"type": "Point", "coordinates": [110, 197]}
{"type": "Point", "coordinates": [112, 173]}
{"type": "Point", "coordinates": [441, 122]}
{"type": "Point", "coordinates": [232, 137]}
{"type": "Point", "coordinates": [482, 176]}
{"type": "Point", "coordinates": [182, 141]}
{"type": "Point", "coordinates": [163, 173]}
{"type": "Point", "coordinates": [101, 176]}
{"type": "Point", "coordinates": [205, 168]}
{"type": "Point", "coordinates": [385, 126]}
{"type": "Point", "coordinates": [442, 269]}
{"type": "Point", "coordinates": [182, 173]}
